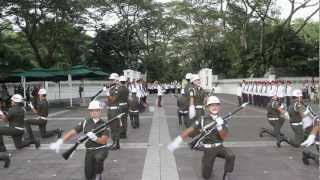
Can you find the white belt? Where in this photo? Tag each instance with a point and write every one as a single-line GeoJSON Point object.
{"type": "Point", "coordinates": [98, 147]}
{"type": "Point", "coordinates": [184, 112]}
{"type": "Point", "coordinates": [296, 124]}
{"type": "Point", "coordinates": [41, 117]}
{"type": "Point", "coordinates": [121, 104]}
{"type": "Point", "coordinates": [19, 128]}
{"type": "Point", "coordinates": [212, 145]}
{"type": "Point", "coordinates": [273, 119]}
{"type": "Point", "coordinates": [317, 143]}
{"type": "Point", "coordinates": [113, 107]}
{"type": "Point", "coordinates": [199, 106]}
{"type": "Point", "coordinates": [134, 111]}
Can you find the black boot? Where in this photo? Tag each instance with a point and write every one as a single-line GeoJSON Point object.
{"type": "Point", "coordinates": [118, 144]}
{"type": "Point", "coordinates": [305, 157]}
{"type": "Point", "coordinates": [6, 157]}
{"type": "Point", "coordinates": [36, 142]}
{"type": "Point", "coordinates": [59, 133]}
{"type": "Point", "coordinates": [115, 145]}
{"type": "Point", "coordinates": [261, 132]}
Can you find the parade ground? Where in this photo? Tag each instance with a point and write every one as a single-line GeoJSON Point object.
{"type": "Point", "coordinates": [144, 155]}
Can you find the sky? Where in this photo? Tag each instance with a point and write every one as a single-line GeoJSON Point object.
{"type": "Point", "coordinates": [285, 9]}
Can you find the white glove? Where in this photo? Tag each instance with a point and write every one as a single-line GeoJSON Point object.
{"type": "Point", "coordinates": [220, 122]}
{"type": "Point", "coordinates": [175, 144]}
{"type": "Point", "coordinates": [56, 145]}
{"type": "Point", "coordinates": [104, 88]}
{"type": "Point", "coordinates": [310, 140]}
{"type": "Point", "coordinates": [92, 136]}
{"type": "Point", "coordinates": [31, 106]}
{"type": "Point", "coordinates": [192, 111]}
{"type": "Point", "coordinates": [1, 113]}
{"type": "Point", "coordinates": [306, 112]}
{"type": "Point", "coordinates": [286, 116]}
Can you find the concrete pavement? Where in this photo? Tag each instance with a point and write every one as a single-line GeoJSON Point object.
{"type": "Point", "coordinates": [143, 155]}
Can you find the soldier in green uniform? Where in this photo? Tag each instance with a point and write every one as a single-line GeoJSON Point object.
{"type": "Point", "coordinates": [96, 146]}
{"type": "Point", "coordinates": [123, 105]}
{"type": "Point", "coordinates": [276, 115]}
{"type": "Point", "coordinates": [15, 117]}
{"type": "Point", "coordinates": [212, 145]}
{"type": "Point", "coordinates": [134, 109]}
{"type": "Point", "coordinates": [197, 97]}
{"type": "Point", "coordinates": [297, 112]}
{"type": "Point", "coordinates": [41, 120]}
{"type": "Point", "coordinates": [183, 109]}
{"type": "Point", "coordinates": [311, 144]}
{"type": "Point", "coordinates": [113, 110]}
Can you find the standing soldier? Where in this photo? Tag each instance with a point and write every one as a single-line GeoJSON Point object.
{"type": "Point", "coordinates": [213, 143]}
{"type": "Point", "coordinates": [183, 107]}
{"type": "Point", "coordinates": [113, 110]}
{"type": "Point", "coordinates": [41, 120]}
{"type": "Point", "coordinates": [197, 97]}
{"type": "Point", "coordinates": [123, 105]}
{"type": "Point", "coordinates": [15, 117]}
{"type": "Point", "coordinates": [134, 109]}
{"type": "Point", "coordinates": [96, 146]}
{"type": "Point", "coordinates": [276, 116]}
{"type": "Point", "coordinates": [297, 112]}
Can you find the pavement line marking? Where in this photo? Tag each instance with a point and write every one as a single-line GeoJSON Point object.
{"type": "Point", "coordinates": [247, 117]}
{"type": "Point", "coordinates": [163, 146]}
{"type": "Point", "coordinates": [81, 146]}
{"type": "Point", "coordinates": [82, 118]}
{"type": "Point", "coordinates": [159, 164]}
{"type": "Point", "coordinates": [58, 113]}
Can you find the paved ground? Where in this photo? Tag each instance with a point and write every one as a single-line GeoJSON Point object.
{"type": "Point", "coordinates": [143, 156]}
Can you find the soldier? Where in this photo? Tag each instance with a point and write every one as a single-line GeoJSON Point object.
{"type": "Point", "coordinates": [276, 115]}
{"type": "Point", "coordinates": [297, 112]}
{"type": "Point", "coordinates": [5, 156]}
{"type": "Point", "coordinates": [183, 109]}
{"type": "Point", "coordinates": [113, 110]}
{"type": "Point", "coordinates": [123, 105]}
{"type": "Point", "coordinates": [197, 98]}
{"type": "Point", "coordinates": [15, 117]}
{"type": "Point", "coordinates": [96, 146]}
{"type": "Point", "coordinates": [134, 109]}
{"type": "Point", "coordinates": [212, 144]}
{"type": "Point", "coordinates": [312, 152]}
{"type": "Point", "coordinates": [41, 120]}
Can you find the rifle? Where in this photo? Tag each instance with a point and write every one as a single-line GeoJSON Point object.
{"type": "Point", "coordinates": [83, 138]}
{"type": "Point", "coordinates": [210, 127]}
{"type": "Point", "coordinates": [97, 94]}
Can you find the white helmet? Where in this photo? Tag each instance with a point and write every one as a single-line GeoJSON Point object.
{"type": "Point", "coordinates": [42, 91]}
{"type": "Point", "coordinates": [17, 98]}
{"type": "Point", "coordinates": [94, 105]}
{"type": "Point", "coordinates": [213, 100]}
{"type": "Point", "coordinates": [195, 77]}
{"type": "Point", "coordinates": [123, 78]}
{"type": "Point", "coordinates": [114, 76]}
{"type": "Point", "coordinates": [133, 90]}
{"type": "Point", "coordinates": [297, 93]}
{"type": "Point", "coordinates": [188, 76]}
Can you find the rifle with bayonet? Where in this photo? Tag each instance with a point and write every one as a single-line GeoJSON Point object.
{"type": "Point", "coordinates": [208, 129]}
{"type": "Point", "coordinates": [83, 138]}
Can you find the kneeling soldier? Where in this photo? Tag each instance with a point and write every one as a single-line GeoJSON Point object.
{"type": "Point", "coordinates": [96, 146]}
{"type": "Point", "coordinates": [213, 143]}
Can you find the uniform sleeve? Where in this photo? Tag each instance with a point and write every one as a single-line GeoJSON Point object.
{"type": "Point", "coordinates": [79, 127]}
{"type": "Point", "coordinates": [192, 92]}
{"type": "Point", "coordinates": [10, 114]}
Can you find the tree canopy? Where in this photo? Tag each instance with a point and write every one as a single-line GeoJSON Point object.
{"type": "Point", "coordinates": [166, 40]}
